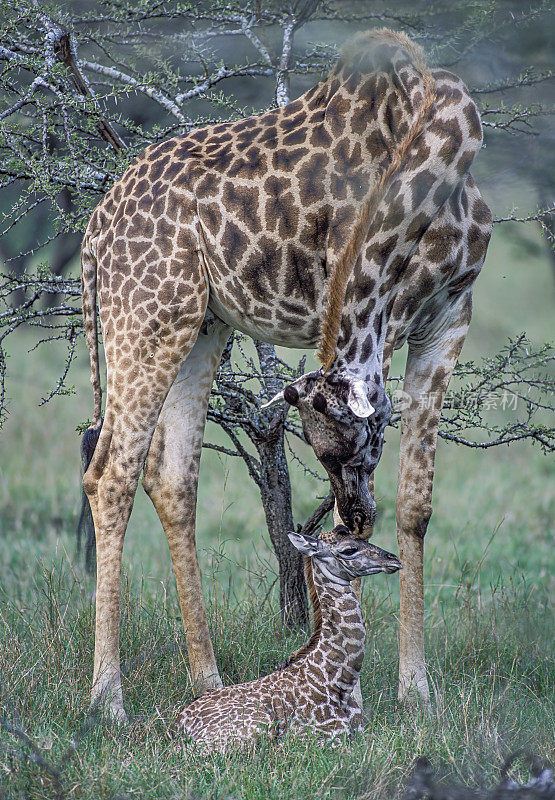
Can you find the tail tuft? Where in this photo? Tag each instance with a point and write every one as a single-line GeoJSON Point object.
{"type": "Point", "coordinates": [85, 526]}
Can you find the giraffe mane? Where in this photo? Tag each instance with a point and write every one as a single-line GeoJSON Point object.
{"type": "Point", "coordinates": [317, 612]}
{"type": "Point", "coordinates": [356, 50]}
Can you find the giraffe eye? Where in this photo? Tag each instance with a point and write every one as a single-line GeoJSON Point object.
{"type": "Point", "coordinates": [349, 551]}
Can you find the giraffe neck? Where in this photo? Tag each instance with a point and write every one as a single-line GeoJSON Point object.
{"type": "Point", "coordinates": [361, 325]}
{"type": "Point", "coordinates": [360, 349]}
{"type": "Point", "coordinates": [335, 651]}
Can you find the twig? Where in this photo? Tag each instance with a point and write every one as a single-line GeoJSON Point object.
{"type": "Point", "coordinates": [318, 515]}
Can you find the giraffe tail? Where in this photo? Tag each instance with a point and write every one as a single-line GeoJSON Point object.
{"type": "Point", "coordinates": [85, 526]}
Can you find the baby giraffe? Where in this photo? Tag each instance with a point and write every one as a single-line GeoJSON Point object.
{"type": "Point", "coordinates": [313, 687]}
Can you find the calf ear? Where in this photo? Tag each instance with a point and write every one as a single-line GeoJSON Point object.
{"type": "Point", "coordinates": [357, 400]}
{"type": "Point", "coordinates": [307, 545]}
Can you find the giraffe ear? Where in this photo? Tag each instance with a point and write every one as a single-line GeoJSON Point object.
{"type": "Point", "coordinates": [294, 391]}
{"type": "Point", "coordinates": [307, 545]}
{"type": "Point", "coordinates": [357, 400]}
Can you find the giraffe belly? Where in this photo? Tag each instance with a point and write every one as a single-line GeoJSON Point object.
{"type": "Point", "coordinates": [271, 324]}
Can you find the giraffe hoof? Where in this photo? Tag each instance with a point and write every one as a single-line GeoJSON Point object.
{"type": "Point", "coordinates": [111, 712]}
{"type": "Point", "coordinates": [108, 714]}
{"type": "Point", "coordinates": [108, 704]}
{"type": "Point", "coordinates": [116, 713]}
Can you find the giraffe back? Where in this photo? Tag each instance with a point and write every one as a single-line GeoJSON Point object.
{"type": "Point", "coordinates": [269, 203]}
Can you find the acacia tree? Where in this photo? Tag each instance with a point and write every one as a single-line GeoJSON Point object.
{"type": "Point", "coordinates": [85, 89]}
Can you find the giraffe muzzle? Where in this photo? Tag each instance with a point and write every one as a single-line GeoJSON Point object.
{"type": "Point", "coordinates": [355, 504]}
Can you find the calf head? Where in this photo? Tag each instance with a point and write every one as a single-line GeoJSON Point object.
{"type": "Point", "coordinates": [343, 419]}
{"type": "Point", "coordinates": [343, 557]}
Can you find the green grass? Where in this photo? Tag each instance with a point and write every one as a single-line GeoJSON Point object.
{"type": "Point", "coordinates": [489, 672]}
{"type": "Point", "coordinates": [488, 604]}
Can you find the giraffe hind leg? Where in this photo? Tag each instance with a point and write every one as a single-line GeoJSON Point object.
{"type": "Point", "coordinates": [170, 479]}
{"type": "Point", "coordinates": [137, 387]}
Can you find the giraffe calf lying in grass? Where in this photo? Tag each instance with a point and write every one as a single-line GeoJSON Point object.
{"type": "Point", "coordinates": [314, 686]}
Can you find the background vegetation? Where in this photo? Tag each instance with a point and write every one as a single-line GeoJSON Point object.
{"type": "Point", "coordinates": [489, 579]}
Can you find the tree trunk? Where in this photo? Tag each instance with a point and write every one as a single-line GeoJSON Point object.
{"type": "Point", "coordinates": [275, 490]}
{"type": "Point", "coordinates": [276, 499]}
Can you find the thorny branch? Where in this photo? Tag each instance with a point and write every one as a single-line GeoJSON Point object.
{"type": "Point", "coordinates": [505, 398]}
{"type": "Point", "coordinates": [528, 78]}
{"type": "Point", "coordinates": [518, 379]}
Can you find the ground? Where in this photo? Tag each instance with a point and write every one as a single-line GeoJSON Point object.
{"type": "Point", "coordinates": [489, 619]}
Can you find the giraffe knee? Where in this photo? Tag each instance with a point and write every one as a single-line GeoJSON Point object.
{"type": "Point", "coordinates": [163, 485]}
{"type": "Point", "coordinates": [173, 496]}
{"type": "Point", "coordinates": [178, 494]}
{"type": "Point", "coordinates": [160, 489]}
{"type": "Point", "coordinates": [413, 517]}
{"type": "Point", "coordinates": [170, 483]}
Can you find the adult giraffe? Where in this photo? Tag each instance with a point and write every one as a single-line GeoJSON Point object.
{"type": "Point", "coordinates": [346, 219]}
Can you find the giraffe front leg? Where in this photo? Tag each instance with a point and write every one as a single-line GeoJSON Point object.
{"type": "Point", "coordinates": [171, 478]}
{"type": "Point", "coordinates": [429, 368]}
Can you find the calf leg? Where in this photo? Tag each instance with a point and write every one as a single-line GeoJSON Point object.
{"type": "Point", "coordinates": [171, 478]}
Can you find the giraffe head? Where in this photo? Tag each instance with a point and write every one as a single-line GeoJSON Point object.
{"type": "Point", "coordinates": [342, 557]}
{"type": "Point", "coordinates": [343, 419]}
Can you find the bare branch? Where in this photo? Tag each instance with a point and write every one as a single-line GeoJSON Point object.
{"type": "Point", "coordinates": [536, 217]}
{"type": "Point", "coordinates": [318, 515]}
{"type": "Point", "coordinates": [246, 28]}
{"type": "Point", "coordinates": [167, 103]}
{"type": "Point", "coordinates": [282, 83]}
{"type": "Point", "coordinates": [528, 78]}
{"type": "Point", "coordinates": [64, 49]}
